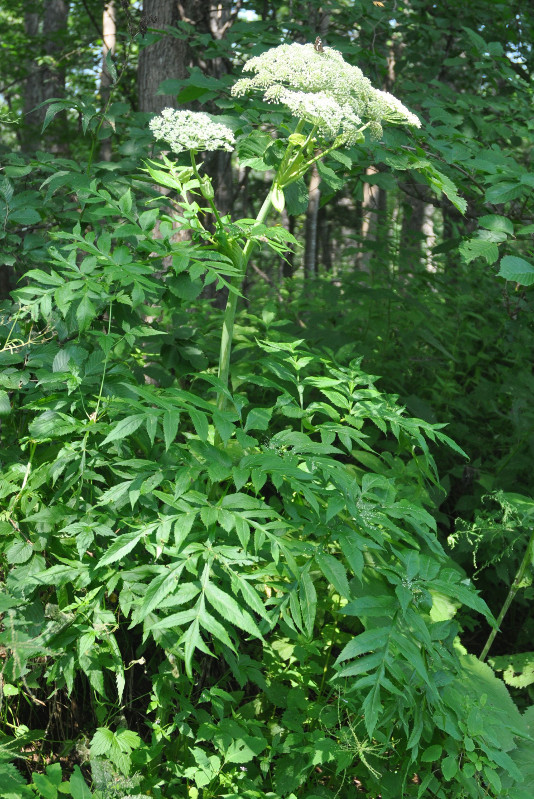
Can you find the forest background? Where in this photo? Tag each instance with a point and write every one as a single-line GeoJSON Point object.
{"type": "Point", "coordinates": [291, 592]}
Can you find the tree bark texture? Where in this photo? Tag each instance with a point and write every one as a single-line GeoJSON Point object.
{"type": "Point", "coordinates": [165, 58]}
{"type": "Point", "coordinates": [45, 80]}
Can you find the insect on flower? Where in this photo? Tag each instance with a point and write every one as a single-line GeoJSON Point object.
{"type": "Point", "coordinates": [318, 45]}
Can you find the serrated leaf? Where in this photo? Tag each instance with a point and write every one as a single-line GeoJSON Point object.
{"type": "Point", "coordinates": [516, 270]}
{"type": "Point", "coordinates": [479, 248]}
{"type": "Point", "coordinates": [102, 742]}
{"type": "Point", "coordinates": [215, 628]}
{"type": "Point", "coordinates": [125, 427]}
{"type": "Point", "coordinates": [258, 419]}
{"type": "Point", "coordinates": [120, 547]}
{"type": "Point", "coordinates": [231, 610]}
{"type": "Point", "coordinates": [85, 312]}
{"type": "Point", "coordinates": [200, 423]}
{"type": "Point", "coordinates": [308, 601]}
{"type": "Point", "coordinates": [496, 222]}
{"type": "Point", "coordinates": [503, 192]}
{"type": "Point", "coordinates": [367, 641]}
{"type": "Point", "coordinates": [171, 420]}
{"type": "Point", "coordinates": [158, 589]}
{"type": "Point", "coordinates": [432, 753]}
{"type": "Point", "coordinates": [334, 572]}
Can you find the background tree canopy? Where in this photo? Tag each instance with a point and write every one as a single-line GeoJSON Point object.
{"type": "Point", "coordinates": [280, 573]}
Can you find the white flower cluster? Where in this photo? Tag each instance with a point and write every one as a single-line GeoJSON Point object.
{"type": "Point", "coordinates": [191, 130]}
{"type": "Point", "coordinates": [323, 89]}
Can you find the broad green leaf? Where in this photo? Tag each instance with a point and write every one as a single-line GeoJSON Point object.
{"type": "Point", "coordinates": [516, 270]}
{"type": "Point", "coordinates": [102, 742]}
{"type": "Point", "coordinates": [497, 222]}
{"type": "Point", "coordinates": [5, 405]}
{"type": "Point", "coordinates": [78, 786]}
{"type": "Point", "coordinates": [367, 641]}
{"type": "Point", "coordinates": [503, 192]}
{"type": "Point", "coordinates": [258, 419]}
{"type": "Point", "coordinates": [171, 420]}
{"type": "Point", "coordinates": [44, 786]}
{"type": "Point", "coordinates": [120, 547]}
{"type": "Point", "coordinates": [125, 427]}
{"type": "Point", "coordinates": [215, 628]}
{"type": "Point", "coordinates": [231, 610]}
{"type": "Point", "coordinates": [432, 753]}
{"type": "Point", "coordinates": [19, 552]}
{"type": "Point", "coordinates": [479, 248]}
{"type": "Point", "coordinates": [85, 312]}
{"type": "Point", "coordinates": [334, 572]}
{"type": "Point", "coordinates": [449, 767]}
{"type": "Point", "coordinates": [158, 589]}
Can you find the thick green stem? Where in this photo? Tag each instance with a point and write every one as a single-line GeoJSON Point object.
{"type": "Point", "coordinates": [514, 588]}
{"type": "Point", "coordinates": [229, 314]}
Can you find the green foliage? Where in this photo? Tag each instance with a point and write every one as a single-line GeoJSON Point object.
{"type": "Point", "coordinates": [223, 548]}
{"type": "Point", "coordinates": [239, 576]}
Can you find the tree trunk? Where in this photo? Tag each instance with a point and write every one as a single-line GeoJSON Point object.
{"type": "Point", "coordinates": [109, 41]}
{"type": "Point", "coordinates": [163, 59]}
{"type": "Point", "coordinates": [47, 80]}
{"type": "Point", "coordinates": [370, 203]}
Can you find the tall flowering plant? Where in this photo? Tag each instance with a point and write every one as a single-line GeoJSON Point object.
{"type": "Point", "coordinates": [332, 102]}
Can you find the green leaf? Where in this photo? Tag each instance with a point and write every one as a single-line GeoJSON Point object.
{"type": "Point", "coordinates": [125, 201]}
{"type": "Point", "coordinates": [215, 628]}
{"type": "Point", "coordinates": [44, 786]}
{"type": "Point", "coordinates": [231, 610]}
{"type": "Point", "coordinates": [125, 427]}
{"type": "Point", "coordinates": [171, 420]}
{"type": "Point", "coordinates": [334, 572]}
{"type": "Point", "coordinates": [503, 192]}
{"type": "Point", "coordinates": [516, 270]}
{"type": "Point", "coordinates": [258, 419]}
{"type": "Point", "coordinates": [85, 312]}
{"type": "Point", "coordinates": [497, 223]}
{"type": "Point", "coordinates": [308, 601]}
{"type": "Point", "coordinates": [158, 589]}
{"type": "Point", "coordinates": [449, 767]}
{"type": "Point", "coordinates": [102, 742]}
{"type": "Point", "coordinates": [200, 423]}
{"type": "Point", "coordinates": [479, 248]}
{"type": "Point", "coordinates": [19, 552]}
{"type": "Point", "coordinates": [367, 641]}
{"type": "Point", "coordinates": [120, 547]}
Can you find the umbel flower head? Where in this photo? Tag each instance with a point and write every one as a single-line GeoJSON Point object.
{"type": "Point", "coordinates": [191, 130]}
{"type": "Point", "coordinates": [321, 88]}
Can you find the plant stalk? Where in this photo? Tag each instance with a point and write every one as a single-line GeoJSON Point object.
{"type": "Point", "coordinates": [514, 588]}
{"type": "Point", "coordinates": [231, 304]}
